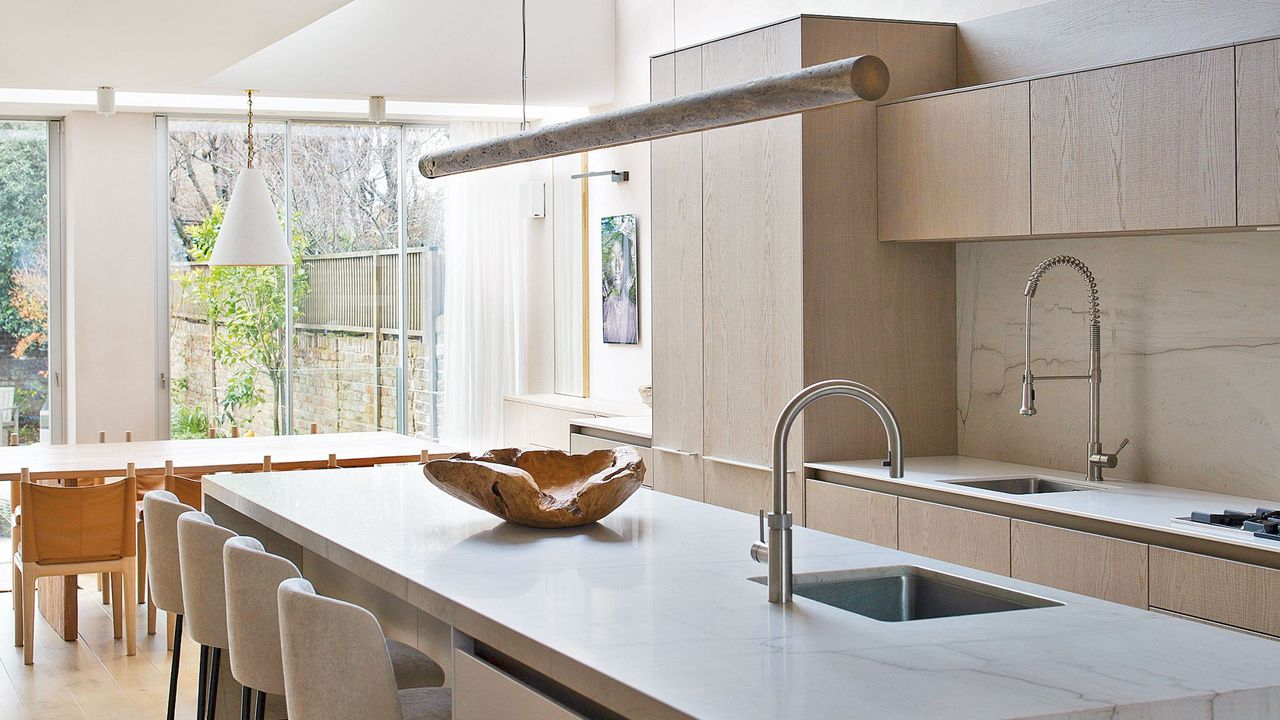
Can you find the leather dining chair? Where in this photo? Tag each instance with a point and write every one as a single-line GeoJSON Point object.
{"type": "Point", "coordinates": [74, 530]}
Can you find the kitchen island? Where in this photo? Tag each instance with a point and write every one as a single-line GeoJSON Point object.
{"type": "Point", "coordinates": [652, 613]}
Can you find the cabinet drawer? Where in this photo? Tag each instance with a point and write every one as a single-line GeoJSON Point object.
{"type": "Point", "coordinates": [746, 487]}
{"type": "Point", "coordinates": [965, 537]}
{"type": "Point", "coordinates": [1080, 562]}
{"type": "Point", "coordinates": [852, 512]}
{"type": "Point", "coordinates": [1223, 591]}
{"type": "Point", "coordinates": [549, 427]}
{"type": "Point", "coordinates": [579, 443]}
{"type": "Point", "coordinates": [483, 692]}
{"type": "Point", "coordinates": [677, 473]}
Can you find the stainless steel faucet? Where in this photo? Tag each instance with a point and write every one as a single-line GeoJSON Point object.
{"type": "Point", "coordinates": [777, 550]}
{"type": "Point", "coordinates": [1096, 458]}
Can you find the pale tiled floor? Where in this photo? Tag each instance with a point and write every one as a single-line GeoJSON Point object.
{"type": "Point", "coordinates": [91, 677]}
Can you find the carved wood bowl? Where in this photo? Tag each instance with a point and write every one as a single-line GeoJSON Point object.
{"type": "Point", "coordinates": [541, 488]}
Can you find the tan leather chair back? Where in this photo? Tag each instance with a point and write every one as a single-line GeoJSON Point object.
{"type": "Point", "coordinates": [187, 489]}
{"type": "Point", "coordinates": [79, 524]}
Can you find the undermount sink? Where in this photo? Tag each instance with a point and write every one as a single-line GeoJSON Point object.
{"type": "Point", "coordinates": [1023, 485]}
{"type": "Point", "coordinates": [903, 593]}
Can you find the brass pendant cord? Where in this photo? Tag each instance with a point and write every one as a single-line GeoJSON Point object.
{"type": "Point", "coordinates": [249, 164]}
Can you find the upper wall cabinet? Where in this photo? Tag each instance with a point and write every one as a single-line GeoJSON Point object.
{"type": "Point", "coordinates": [1146, 146]}
{"type": "Point", "coordinates": [956, 166]}
{"type": "Point", "coordinates": [1258, 132]}
{"type": "Point", "coordinates": [1143, 147]}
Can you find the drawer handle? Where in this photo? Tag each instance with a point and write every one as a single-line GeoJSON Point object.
{"type": "Point", "coordinates": [671, 451]}
{"type": "Point", "coordinates": [741, 464]}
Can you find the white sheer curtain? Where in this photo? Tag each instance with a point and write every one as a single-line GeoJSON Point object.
{"type": "Point", "coordinates": [484, 343]}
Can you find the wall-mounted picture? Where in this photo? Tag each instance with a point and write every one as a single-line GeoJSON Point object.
{"type": "Point", "coordinates": [619, 270]}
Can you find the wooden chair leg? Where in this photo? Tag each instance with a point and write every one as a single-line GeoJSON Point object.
{"type": "Point", "coordinates": [129, 608]}
{"type": "Point", "coordinates": [151, 614]}
{"type": "Point", "coordinates": [17, 605]}
{"type": "Point", "coordinates": [104, 584]}
{"type": "Point", "coordinates": [28, 615]}
{"type": "Point", "coordinates": [117, 612]}
{"type": "Point", "coordinates": [171, 630]}
{"type": "Point", "coordinates": [142, 563]}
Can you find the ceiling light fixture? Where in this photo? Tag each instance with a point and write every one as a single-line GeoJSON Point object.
{"type": "Point", "coordinates": [377, 109]}
{"type": "Point", "coordinates": [250, 232]}
{"type": "Point", "coordinates": [864, 77]}
{"type": "Point", "coordinates": [106, 100]}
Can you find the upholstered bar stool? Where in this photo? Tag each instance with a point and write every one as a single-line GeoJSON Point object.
{"type": "Point", "coordinates": [187, 490]}
{"type": "Point", "coordinates": [204, 599]}
{"type": "Point", "coordinates": [162, 509]}
{"type": "Point", "coordinates": [253, 627]}
{"type": "Point", "coordinates": [336, 664]}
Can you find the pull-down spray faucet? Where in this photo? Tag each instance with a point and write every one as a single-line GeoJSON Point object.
{"type": "Point", "coordinates": [1096, 458]}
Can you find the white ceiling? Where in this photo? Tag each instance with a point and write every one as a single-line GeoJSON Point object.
{"type": "Point", "coordinates": [433, 50]}
{"type": "Point", "coordinates": [448, 50]}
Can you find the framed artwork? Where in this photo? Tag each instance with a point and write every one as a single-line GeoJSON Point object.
{"type": "Point", "coordinates": [619, 288]}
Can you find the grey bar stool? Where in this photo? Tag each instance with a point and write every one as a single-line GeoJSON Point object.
{"type": "Point", "coordinates": [336, 665]}
{"type": "Point", "coordinates": [164, 571]}
{"type": "Point", "coordinates": [204, 599]}
{"type": "Point", "coordinates": [253, 627]}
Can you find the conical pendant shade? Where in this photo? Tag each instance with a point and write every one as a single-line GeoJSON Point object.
{"type": "Point", "coordinates": [251, 233]}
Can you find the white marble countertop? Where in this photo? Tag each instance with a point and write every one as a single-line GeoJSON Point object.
{"type": "Point", "coordinates": [639, 426]}
{"type": "Point", "coordinates": [652, 613]}
{"type": "Point", "coordinates": [1145, 505]}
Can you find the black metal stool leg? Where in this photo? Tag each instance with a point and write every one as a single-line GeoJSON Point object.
{"type": "Point", "coordinates": [245, 695]}
{"type": "Point", "coordinates": [173, 672]}
{"type": "Point", "coordinates": [215, 664]}
{"type": "Point", "coordinates": [203, 688]}
{"type": "Point", "coordinates": [260, 711]}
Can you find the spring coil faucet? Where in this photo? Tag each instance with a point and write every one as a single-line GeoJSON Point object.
{"type": "Point", "coordinates": [1096, 458]}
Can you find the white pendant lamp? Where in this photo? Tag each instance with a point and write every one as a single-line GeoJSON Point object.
{"type": "Point", "coordinates": [250, 232]}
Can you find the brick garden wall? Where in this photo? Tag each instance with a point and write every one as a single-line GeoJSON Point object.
{"type": "Point", "coordinates": [334, 381]}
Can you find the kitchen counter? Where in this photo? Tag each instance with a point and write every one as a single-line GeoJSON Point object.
{"type": "Point", "coordinates": [652, 614]}
{"type": "Point", "coordinates": [1140, 505]}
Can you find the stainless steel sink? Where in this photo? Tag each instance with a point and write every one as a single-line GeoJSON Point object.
{"type": "Point", "coordinates": [903, 593]}
{"type": "Point", "coordinates": [1023, 485]}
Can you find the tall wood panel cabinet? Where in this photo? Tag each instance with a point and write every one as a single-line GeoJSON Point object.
{"type": "Point", "coordinates": [768, 274]}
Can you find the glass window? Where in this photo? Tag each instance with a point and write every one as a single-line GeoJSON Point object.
{"type": "Point", "coordinates": [327, 351]}
{"type": "Point", "coordinates": [226, 325]}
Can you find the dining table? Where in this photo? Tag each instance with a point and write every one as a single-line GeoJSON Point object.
{"type": "Point", "coordinates": [72, 464]}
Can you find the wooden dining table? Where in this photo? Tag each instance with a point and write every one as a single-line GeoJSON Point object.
{"type": "Point", "coordinates": [69, 464]}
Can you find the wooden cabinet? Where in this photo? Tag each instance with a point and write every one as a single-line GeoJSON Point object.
{"type": "Point", "coordinates": [1222, 591]}
{"type": "Point", "coordinates": [1258, 133]}
{"type": "Point", "coordinates": [768, 275]}
{"type": "Point", "coordinates": [956, 166]}
{"type": "Point", "coordinates": [852, 512]}
{"type": "Point", "coordinates": [1144, 146]}
{"type": "Point", "coordinates": [676, 297]}
{"type": "Point", "coordinates": [1080, 562]}
{"type": "Point", "coordinates": [965, 537]}
{"type": "Point", "coordinates": [678, 473]}
{"type": "Point", "coordinates": [483, 692]}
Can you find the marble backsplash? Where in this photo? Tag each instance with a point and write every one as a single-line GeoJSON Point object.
{"type": "Point", "coordinates": [1191, 357]}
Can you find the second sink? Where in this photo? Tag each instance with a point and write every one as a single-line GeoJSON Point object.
{"type": "Point", "coordinates": [1022, 485]}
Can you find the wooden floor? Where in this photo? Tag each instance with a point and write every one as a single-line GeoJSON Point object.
{"type": "Point", "coordinates": [91, 678]}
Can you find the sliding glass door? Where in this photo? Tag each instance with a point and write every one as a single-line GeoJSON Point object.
{"type": "Point", "coordinates": [326, 345]}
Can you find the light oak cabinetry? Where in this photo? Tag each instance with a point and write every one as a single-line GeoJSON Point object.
{"type": "Point", "coordinates": [965, 537]}
{"type": "Point", "coordinates": [1145, 146]}
{"type": "Point", "coordinates": [956, 166]}
{"type": "Point", "coordinates": [1222, 591]}
{"type": "Point", "coordinates": [1080, 562]}
{"type": "Point", "coordinates": [768, 275]}
{"type": "Point", "coordinates": [852, 512]}
{"type": "Point", "coordinates": [1258, 133]}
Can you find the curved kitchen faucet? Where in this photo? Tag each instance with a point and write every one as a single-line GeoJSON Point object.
{"type": "Point", "coordinates": [1096, 458]}
{"type": "Point", "coordinates": [777, 550]}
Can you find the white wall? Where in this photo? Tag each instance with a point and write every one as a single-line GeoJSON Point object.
{"type": "Point", "coordinates": [109, 178]}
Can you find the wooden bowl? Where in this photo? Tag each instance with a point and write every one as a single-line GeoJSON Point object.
{"type": "Point", "coordinates": [541, 488]}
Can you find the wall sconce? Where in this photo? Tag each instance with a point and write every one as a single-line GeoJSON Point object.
{"type": "Point", "coordinates": [377, 109]}
{"type": "Point", "coordinates": [106, 100]}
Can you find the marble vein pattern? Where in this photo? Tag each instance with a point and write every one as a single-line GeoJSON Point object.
{"type": "Point", "coordinates": [652, 612]}
{"type": "Point", "coordinates": [1191, 357]}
